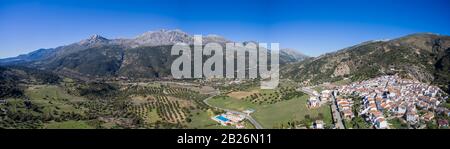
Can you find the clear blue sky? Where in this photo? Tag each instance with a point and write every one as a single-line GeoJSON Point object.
{"type": "Point", "coordinates": [313, 27]}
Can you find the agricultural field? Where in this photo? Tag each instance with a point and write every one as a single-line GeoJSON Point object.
{"type": "Point", "coordinates": [54, 97]}
{"type": "Point", "coordinates": [162, 108]}
{"type": "Point", "coordinates": [242, 94]}
{"type": "Point", "coordinates": [264, 96]}
{"type": "Point", "coordinates": [168, 106]}
{"type": "Point", "coordinates": [68, 125]}
{"type": "Point", "coordinates": [74, 104]}
{"type": "Point", "coordinates": [287, 111]}
{"type": "Point", "coordinates": [41, 105]}
{"type": "Point", "coordinates": [202, 120]}
{"type": "Point", "coordinates": [71, 104]}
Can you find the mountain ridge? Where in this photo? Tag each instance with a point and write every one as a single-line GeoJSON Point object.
{"type": "Point", "coordinates": [147, 55]}
{"type": "Point", "coordinates": [418, 56]}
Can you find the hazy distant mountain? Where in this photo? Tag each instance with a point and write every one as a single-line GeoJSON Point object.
{"type": "Point", "coordinates": [33, 56]}
{"type": "Point", "coordinates": [45, 54]}
{"type": "Point", "coordinates": [425, 57]}
{"type": "Point", "coordinates": [291, 56]}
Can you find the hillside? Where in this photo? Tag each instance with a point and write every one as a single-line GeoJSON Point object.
{"type": "Point", "coordinates": [423, 57]}
{"type": "Point", "coordinates": [12, 77]}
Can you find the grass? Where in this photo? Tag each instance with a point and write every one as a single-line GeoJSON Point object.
{"type": "Point", "coordinates": [152, 116]}
{"type": "Point", "coordinates": [396, 123]}
{"type": "Point", "coordinates": [348, 124]}
{"type": "Point", "coordinates": [108, 125]}
{"type": "Point", "coordinates": [68, 125]}
{"type": "Point", "coordinates": [270, 115]}
{"type": "Point", "coordinates": [38, 92]}
{"type": "Point", "coordinates": [53, 98]}
{"type": "Point", "coordinates": [231, 103]}
{"type": "Point", "coordinates": [241, 94]}
{"type": "Point", "coordinates": [203, 121]}
{"type": "Point", "coordinates": [265, 96]}
{"type": "Point", "coordinates": [248, 125]}
{"type": "Point", "coordinates": [318, 88]}
{"type": "Point", "coordinates": [17, 105]}
{"type": "Point", "coordinates": [288, 83]}
{"type": "Point", "coordinates": [343, 82]}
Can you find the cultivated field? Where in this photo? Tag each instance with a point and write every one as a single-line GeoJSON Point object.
{"type": "Point", "coordinates": [277, 114]}
{"type": "Point", "coordinates": [242, 94]}
{"type": "Point", "coordinates": [68, 125]}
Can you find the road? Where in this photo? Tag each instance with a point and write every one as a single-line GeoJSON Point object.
{"type": "Point", "coordinates": [249, 117]}
{"type": "Point", "coordinates": [336, 115]}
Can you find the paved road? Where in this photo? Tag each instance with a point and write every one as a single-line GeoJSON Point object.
{"type": "Point", "coordinates": [249, 117]}
{"type": "Point", "coordinates": [336, 115]}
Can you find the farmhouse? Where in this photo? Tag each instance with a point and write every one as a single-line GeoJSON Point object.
{"type": "Point", "coordinates": [443, 123]}
{"type": "Point", "coordinates": [428, 116]}
{"type": "Point", "coordinates": [229, 118]}
{"type": "Point", "coordinates": [318, 124]}
{"type": "Point", "coordinates": [313, 102]}
{"type": "Point", "coordinates": [325, 95]}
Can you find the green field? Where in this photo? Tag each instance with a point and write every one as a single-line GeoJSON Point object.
{"type": "Point", "coordinates": [343, 82]}
{"type": "Point", "coordinates": [288, 83]}
{"type": "Point", "coordinates": [203, 121]}
{"type": "Point", "coordinates": [50, 92]}
{"type": "Point", "coordinates": [53, 98]}
{"type": "Point", "coordinates": [318, 88]}
{"type": "Point", "coordinates": [396, 123]}
{"type": "Point", "coordinates": [248, 125]}
{"type": "Point", "coordinates": [152, 116]}
{"type": "Point", "coordinates": [68, 125]}
{"type": "Point", "coordinates": [271, 115]}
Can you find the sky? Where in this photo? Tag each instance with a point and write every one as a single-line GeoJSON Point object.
{"type": "Point", "coordinates": [313, 27]}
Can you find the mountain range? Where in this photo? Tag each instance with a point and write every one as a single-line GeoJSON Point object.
{"type": "Point", "coordinates": [423, 56]}
{"type": "Point", "coordinates": [146, 56]}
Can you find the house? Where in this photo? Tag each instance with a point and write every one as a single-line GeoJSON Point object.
{"type": "Point", "coordinates": [348, 114]}
{"type": "Point", "coordinates": [248, 111]}
{"type": "Point", "coordinates": [240, 126]}
{"type": "Point", "coordinates": [443, 123]}
{"type": "Point", "coordinates": [235, 118]}
{"type": "Point", "coordinates": [313, 102]}
{"type": "Point", "coordinates": [325, 95]}
{"type": "Point", "coordinates": [228, 118]}
{"type": "Point", "coordinates": [318, 124]}
{"type": "Point", "coordinates": [400, 111]}
{"type": "Point", "coordinates": [428, 116]}
{"type": "Point", "coordinates": [344, 104]}
{"type": "Point", "coordinates": [411, 117]}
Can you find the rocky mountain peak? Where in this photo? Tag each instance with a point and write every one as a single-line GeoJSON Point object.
{"type": "Point", "coordinates": [97, 37]}
{"type": "Point", "coordinates": [94, 39]}
{"type": "Point", "coordinates": [162, 37]}
{"type": "Point", "coordinates": [214, 38]}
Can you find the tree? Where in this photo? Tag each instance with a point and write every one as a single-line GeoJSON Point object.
{"type": "Point", "coordinates": [320, 116]}
{"type": "Point", "coordinates": [307, 117]}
